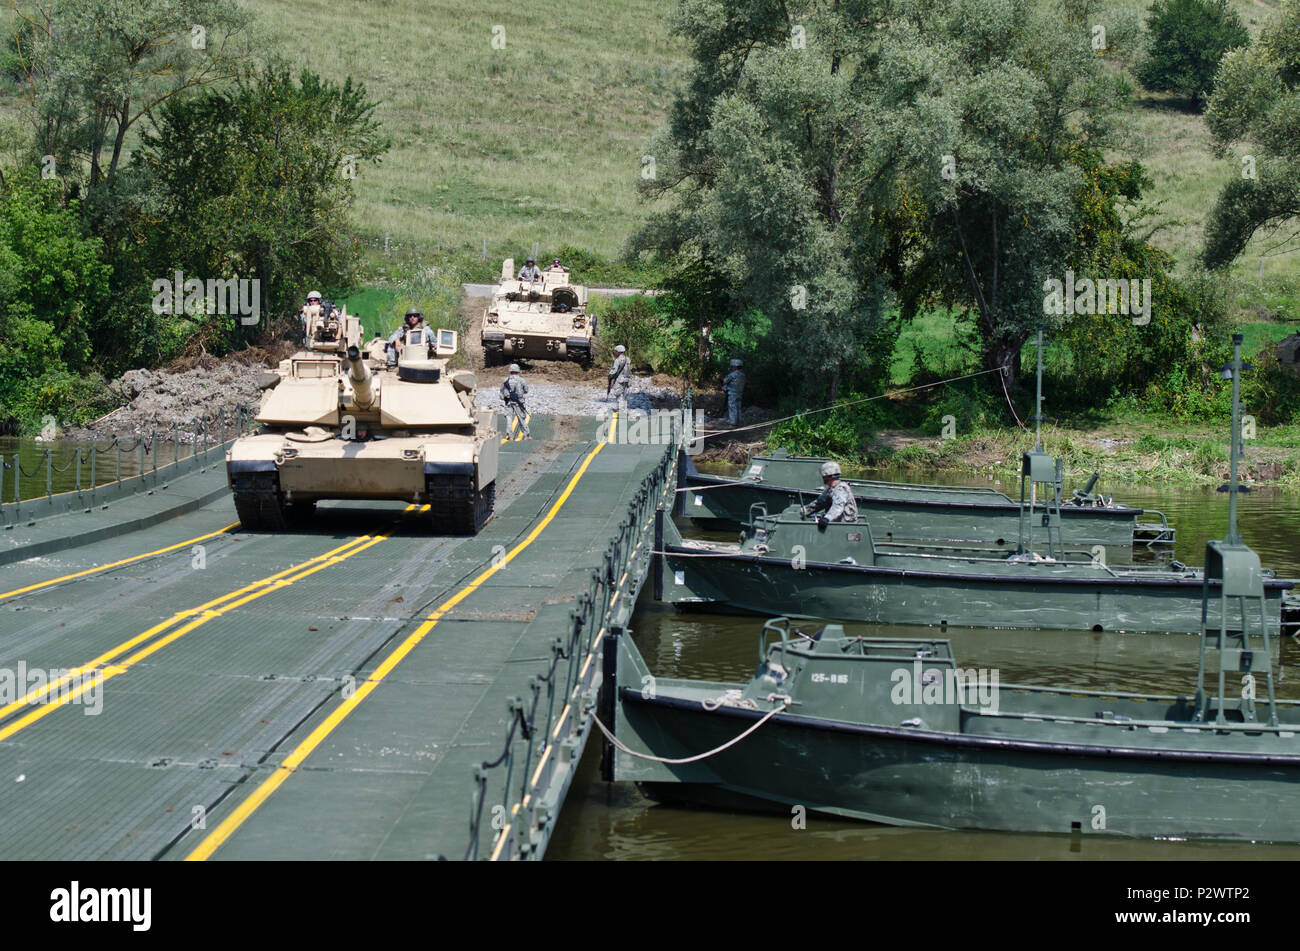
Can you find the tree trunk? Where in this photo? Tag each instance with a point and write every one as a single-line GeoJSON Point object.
{"type": "Point", "coordinates": [123, 120]}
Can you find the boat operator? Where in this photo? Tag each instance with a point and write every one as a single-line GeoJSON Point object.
{"type": "Point", "coordinates": [836, 500]}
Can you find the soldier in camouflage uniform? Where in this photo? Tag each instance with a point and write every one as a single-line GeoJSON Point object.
{"type": "Point", "coordinates": [620, 376]}
{"type": "Point", "coordinates": [733, 385]}
{"type": "Point", "coordinates": [513, 390]}
{"type": "Point", "coordinates": [530, 271]}
{"type": "Point", "coordinates": [836, 500]}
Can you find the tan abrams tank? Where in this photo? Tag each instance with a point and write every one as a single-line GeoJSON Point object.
{"type": "Point", "coordinates": [347, 422]}
{"type": "Point", "coordinates": [537, 320]}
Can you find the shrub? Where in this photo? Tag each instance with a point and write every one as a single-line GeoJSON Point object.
{"type": "Point", "coordinates": [1188, 39]}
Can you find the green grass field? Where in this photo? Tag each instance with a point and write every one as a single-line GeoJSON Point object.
{"type": "Point", "coordinates": [538, 142]}
{"type": "Point", "coordinates": [541, 141]}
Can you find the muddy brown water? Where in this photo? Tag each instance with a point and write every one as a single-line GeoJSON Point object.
{"type": "Point", "coordinates": [614, 821]}
{"type": "Point", "coordinates": [110, 461]}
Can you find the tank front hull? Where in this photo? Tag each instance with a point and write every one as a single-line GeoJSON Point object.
{"type": "Point", "coordinates": [536, 346]}
{"type": "Point", "coordinates": [395, 468]}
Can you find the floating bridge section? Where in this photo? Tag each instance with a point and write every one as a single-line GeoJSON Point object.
{"type": "Point", "coordinates": [172, 687]}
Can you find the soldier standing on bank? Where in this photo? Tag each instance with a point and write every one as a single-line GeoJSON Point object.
{"type": "Point", "coordinates": [836, 500]}
{"type": "Point", "coordinates": [513, 390]}
{"type": "Point", "coordinates": [734, 385]}
{"type": "Point", "coordinates": [620, 376]}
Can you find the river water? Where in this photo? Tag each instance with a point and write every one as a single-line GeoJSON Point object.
{"type": "Point", "coordinates": [55, 463]}
{"type": "Point", "coordinates": [614, 821]}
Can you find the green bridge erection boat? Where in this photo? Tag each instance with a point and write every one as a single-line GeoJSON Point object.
{"type": "Point", "coordinates": [892, 730]}
{"type": "Point", "coordinates": [787, 566]}
{"type": "Point", "coordinates": [900, 510]}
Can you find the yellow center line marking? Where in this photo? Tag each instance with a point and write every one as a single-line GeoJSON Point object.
{"type": "Point", "coordinates": [218, 836]}
{"type": "Point", "coordinates": [116, 564]}
{"type": "Point", "coordinates": [270, 583]}
{"type": "Point", "coordinates": [112, 671]}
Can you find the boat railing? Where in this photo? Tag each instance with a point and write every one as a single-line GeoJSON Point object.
{"type": "Point", "coordinates": [950, 489]}
{"type": "Point", "coordinates": [777, 625]}
{"type": "Point", "coordinates": [1155, 532]}
{"type": "Point", "coordinates": [515, 796]}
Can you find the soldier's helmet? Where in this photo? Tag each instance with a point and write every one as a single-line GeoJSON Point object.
{"type": "Point", "coordinates": [514, 368]}
{"type": "Point", "coordinates": [620, 349]}
{"type": "Point", "coordinates": [414, 312]}
{"type": "Point", "coordinates": [313, 295]}
{"type": "Point", "coordinates": [736, 363]}
{"type": "Point", "coordinates": [531, 261]}
{"type": "Point", "coordinates": [830, 469]}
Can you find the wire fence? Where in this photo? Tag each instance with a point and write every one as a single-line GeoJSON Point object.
{"type": "Point", "coordinates": [517, 794]}
{"type": "Point", "coordinates": [91, 472]}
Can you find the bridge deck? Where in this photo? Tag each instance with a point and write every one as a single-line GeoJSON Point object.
{"type": "Point", "coordinates": [289, 696]}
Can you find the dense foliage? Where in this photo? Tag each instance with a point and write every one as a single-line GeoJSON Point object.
{"type": "Point", "coordinates": [846, 166]}
{"type": "Point", "coordinates": [236, 173]}
{"type": "Point", "coordinates": [1257, 101]}
{"type": "Point", "coordinates": [1188, 38]}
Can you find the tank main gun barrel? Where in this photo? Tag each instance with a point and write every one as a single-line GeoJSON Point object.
{"type": "Point", "coordinates": [359, 373]}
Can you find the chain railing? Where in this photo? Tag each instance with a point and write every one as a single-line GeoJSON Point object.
{"type": "Point", "coordinates": [516, 796]}
{"type": "Point", "coordinates": [205, 434]}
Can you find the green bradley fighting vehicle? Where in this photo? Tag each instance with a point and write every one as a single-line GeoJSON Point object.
{"type": "Point", "coordinates": [892, 730]}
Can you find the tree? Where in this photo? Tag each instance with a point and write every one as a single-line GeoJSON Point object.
{"type": "Point", "coordinates": [253, 182]}
{"type": "Point", "coordinates": [94, 68]}
{"type": "Point", "coordinates": [1257, 101]}
{"type": "Point", "coordinates": [762, 156]}
{"type": "Point", "coordinates": [53, 282]}
{"type": "Point", "coordinates": [931, 149]}
{"type": "Point", "coordinates": [1188, 38]}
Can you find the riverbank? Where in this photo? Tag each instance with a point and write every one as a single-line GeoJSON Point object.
{"type": "Point", "coordinates": [1141, 449]}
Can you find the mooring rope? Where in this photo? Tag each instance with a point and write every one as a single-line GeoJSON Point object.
{"type": "Point", "coordinates": [865, 399]}
{"type": "Point", "coordinates": [784, 701]}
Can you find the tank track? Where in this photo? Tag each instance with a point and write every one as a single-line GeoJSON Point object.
{"type": "Point", "coordinates": [455, 506]}
{"type": "Point", "coordinates": [259, 502]}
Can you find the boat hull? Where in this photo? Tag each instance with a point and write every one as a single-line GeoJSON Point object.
{"type": "Point", "coordinates": [901, 776]}
{"type": "Point", "coordinates": [1022, 596]}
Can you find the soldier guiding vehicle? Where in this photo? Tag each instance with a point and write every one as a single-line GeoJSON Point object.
{"type": "Point", "coordinates": [513, 391]}
{"type": "Point", "coordinates": [620, 376]}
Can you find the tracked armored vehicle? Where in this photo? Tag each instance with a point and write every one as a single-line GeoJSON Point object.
{"type": "Point", "coordinates": [356, 420]}
{"type": "Point", "coordinates": [538, 320]}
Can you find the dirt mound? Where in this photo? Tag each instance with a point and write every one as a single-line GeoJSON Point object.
{"type": "Point", "coordinates": [192, 387]}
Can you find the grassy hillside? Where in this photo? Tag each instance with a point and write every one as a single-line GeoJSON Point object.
{"type": "Point", "coordinates": [542, 141]}
{"type": "Point", "coordinates": [538, 142]}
